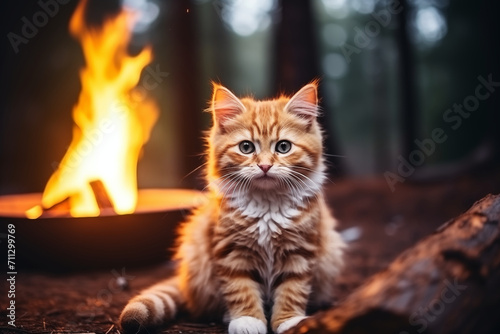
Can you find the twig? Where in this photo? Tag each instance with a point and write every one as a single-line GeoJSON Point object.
{"type": "Point", "coordinates": [110, 328]}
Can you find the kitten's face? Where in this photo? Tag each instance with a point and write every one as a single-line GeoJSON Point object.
{"type": "Point", "coordinates": [265, 145]}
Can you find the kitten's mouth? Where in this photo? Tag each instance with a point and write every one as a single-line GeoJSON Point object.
{"type": "Point", "coordinates": [265, 177]}
{"type": "Point", "coordinates": [265, 181]}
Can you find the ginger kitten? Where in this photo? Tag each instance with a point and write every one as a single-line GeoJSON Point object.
{"type": "Point", "coordinates": [264, 246]}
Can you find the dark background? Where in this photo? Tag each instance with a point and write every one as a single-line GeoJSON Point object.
{"type": "Point", "coordinates": [376, 102]}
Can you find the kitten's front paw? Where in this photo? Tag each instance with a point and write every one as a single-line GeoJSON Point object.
{"type": "Point", "coordinates": [247, 325]}
{"type": "Point", "coordinates": [287, 324]}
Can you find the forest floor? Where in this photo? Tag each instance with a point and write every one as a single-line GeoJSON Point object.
{"type": "Point", "coordinates": [382, 224]}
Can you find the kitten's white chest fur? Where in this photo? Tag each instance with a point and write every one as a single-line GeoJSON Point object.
{"type": "Point", "coordinates": [274, 212]}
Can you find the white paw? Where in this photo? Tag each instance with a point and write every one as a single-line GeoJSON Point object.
{"type": "Point", "coordinates": [287, 324]}
{"type": "Point", "coordinates": [247, 325]}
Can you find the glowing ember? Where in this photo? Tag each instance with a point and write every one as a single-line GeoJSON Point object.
{"type": "Point", "coordinates": [108, 133]}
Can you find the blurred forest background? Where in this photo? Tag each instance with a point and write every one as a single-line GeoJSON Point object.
{"type": "Point", "coordinates": [389, 71]}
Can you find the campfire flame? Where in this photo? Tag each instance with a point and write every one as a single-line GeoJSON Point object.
{"type": "Point", "coordinates": [110, 126]}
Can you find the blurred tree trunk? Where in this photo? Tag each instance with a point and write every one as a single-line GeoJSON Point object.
{"type": "Point", "coordinates": [296, 62]}
{"type": "Point", "coordinates": [490, 26]}
{"type": "Point", "coordinates": [185, 71]}
{"type": "Point", "coordinates": [409, 120]}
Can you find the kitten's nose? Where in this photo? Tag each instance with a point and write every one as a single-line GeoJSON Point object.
{"type": "Point", "coordinates": [265, 168]}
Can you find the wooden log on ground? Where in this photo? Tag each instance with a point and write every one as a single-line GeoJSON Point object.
{"type": "Point", "coordinates": [448, 283]}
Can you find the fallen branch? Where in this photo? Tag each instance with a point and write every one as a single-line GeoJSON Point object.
{"type": "Point", "coordinates": [448, 283]}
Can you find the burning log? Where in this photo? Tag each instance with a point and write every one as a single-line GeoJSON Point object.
{"type": "Point", "coordinates": [101, 195]}
{"type": "Point", "coordinates": [63, 207]}
{"type": "Point", "coordinates": [447, 283]}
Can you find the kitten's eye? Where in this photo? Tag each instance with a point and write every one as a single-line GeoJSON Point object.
{"type": "Point", "coordinates": [283, 146]}
{"type": "Point", "coordinates": [246, 147]}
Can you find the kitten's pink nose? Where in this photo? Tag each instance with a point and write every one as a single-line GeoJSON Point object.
{"type": "Point", "coordinates": [265, 168]}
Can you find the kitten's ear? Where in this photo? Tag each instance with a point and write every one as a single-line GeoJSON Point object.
{"type": "Point", "coordinates": [225, 105]}
{"type": "Point", "coordinates": [305, 102]}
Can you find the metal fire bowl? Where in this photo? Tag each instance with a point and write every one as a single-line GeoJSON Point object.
{"type": "Point", "coordinates": [63, 243]}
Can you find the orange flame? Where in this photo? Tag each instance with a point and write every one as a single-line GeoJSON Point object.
{"type": "Point", "coordinates": [108, 133]}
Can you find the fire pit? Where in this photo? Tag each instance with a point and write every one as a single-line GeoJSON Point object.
{"type": "Point", "coordinates": [90, 213]}
{"type": "Point", "coordinates": [59, 242]}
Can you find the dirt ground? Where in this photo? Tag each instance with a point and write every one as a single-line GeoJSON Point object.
{"type": "Point", "coordinates": [382, 224]}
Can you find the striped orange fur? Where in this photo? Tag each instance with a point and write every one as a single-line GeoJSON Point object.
{"type": "Point", "coordinates": [264, 247]}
